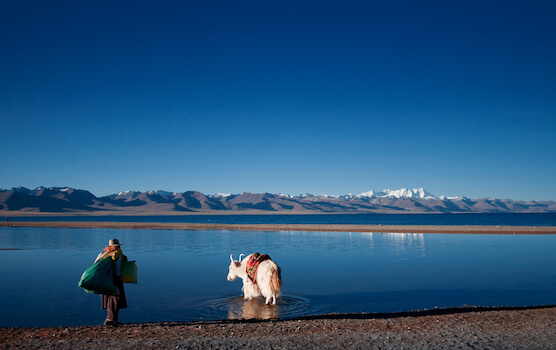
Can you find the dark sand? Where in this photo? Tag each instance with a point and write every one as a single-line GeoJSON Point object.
{"type": "Point", "coordinates": [533, 328]}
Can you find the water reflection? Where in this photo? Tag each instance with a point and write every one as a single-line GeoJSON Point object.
{"type": "Point", "coordinates": [237, 308]}
{"type": "Point", "coordinates": [253, 309]}
{"type": "Point", "coordinates": [182, 274]}
{"type": "Point", "coordinates": [402, 242]}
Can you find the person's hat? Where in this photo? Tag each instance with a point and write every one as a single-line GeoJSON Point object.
{"type": "Point", "coordinates": [114, 243]}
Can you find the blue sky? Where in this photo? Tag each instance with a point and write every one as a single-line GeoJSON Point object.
{"type": "Point", "coordinates": [458, 97]}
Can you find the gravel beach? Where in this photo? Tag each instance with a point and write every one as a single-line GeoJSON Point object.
{"type": "Point", "coordinates": [533, 328]}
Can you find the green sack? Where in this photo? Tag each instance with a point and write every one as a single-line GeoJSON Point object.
{"type": "Point", "coordinates": [99, 278]}
{"type": "Point", "coordinates": [129, 272]}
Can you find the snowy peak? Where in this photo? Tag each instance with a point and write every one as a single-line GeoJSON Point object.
{"type": "Point", "coordinates": [448, 198]}
{"type": "Point", "coordinates": [66, 199]}
{"type": "Point", "coordinates": [220, 195]}
{"type": "Point", "coordinates": [128, 193]}
{"type": "Point", "coordinates": [401, 193]}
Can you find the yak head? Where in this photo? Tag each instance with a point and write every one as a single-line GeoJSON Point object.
{"type": "Point", "coordinates": [235, 268]}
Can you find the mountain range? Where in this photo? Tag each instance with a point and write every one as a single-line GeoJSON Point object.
{"type": "Point", "coordinates": [69, 200]}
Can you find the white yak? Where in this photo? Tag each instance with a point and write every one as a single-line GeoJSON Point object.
{"type": "Point", "coordinates": [260, 275]}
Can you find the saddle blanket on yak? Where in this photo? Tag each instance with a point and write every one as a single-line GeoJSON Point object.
{"type": "Point", "coordinates": [253, 265]}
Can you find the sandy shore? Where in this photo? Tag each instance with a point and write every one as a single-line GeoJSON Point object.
{"type": "Point", "coordinates": [260, 227]}
{"type": "Point", "coordinates": [533, 328]}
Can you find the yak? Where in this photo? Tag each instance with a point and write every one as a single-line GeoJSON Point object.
{"type": "Point", "coordinates": [260, 275]}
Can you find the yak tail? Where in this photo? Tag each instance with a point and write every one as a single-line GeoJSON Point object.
{"type": "Point", "coordinates": [276, 281]}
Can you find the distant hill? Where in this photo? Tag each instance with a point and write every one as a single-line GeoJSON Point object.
{"type": "Point", "coordinates": [69, 200]}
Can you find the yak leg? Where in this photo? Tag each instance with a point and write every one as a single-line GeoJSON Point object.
{"type": "Point", "coordinates": [271, 298]}
{"type": "Point", "coordinates": [250, 291]}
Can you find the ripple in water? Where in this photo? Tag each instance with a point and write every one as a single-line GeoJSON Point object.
{"type": "Point", "coordinates": [237, 308]}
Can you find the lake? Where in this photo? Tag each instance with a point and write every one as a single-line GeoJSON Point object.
{"type": "Point", "coordinates": [182, 274]}
{"type": "Point", "coordinates": [502, 219]}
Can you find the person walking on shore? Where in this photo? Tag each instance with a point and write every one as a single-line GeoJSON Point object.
{"type": "Point", "coordinates": [113, 303]}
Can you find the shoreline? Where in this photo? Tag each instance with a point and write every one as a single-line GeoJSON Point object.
{"type": "Point", "coordinates": [464, 328]}
{"type": "Point", "coordinates": [247, 212]}
{"type": "Point", "coordinates": [447, 229]}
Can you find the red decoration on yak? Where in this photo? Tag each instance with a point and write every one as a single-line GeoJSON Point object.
{"type": "Point", "coordinates": [253, 265]}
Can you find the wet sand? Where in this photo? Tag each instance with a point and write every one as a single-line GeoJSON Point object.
{"type": "Point", "coordinates": [288, 227]}
{"type": "Point", "coordinates": [533, 328]}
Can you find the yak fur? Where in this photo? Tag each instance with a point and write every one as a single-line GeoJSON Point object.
{"type": "Point", "coordinates": [268, 279]}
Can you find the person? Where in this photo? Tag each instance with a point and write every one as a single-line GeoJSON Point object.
{"type": "Point", "coordinates": [113, 303]}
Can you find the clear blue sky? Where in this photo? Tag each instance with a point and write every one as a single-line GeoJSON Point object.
{"type": "Point", "coordinates": [458, 97]}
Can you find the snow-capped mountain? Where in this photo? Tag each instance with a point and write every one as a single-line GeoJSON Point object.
{"type": "Point", "coordinates": [401, 193]}
{"type": "Point", "coordinates": [220, 195]}
{"type": "Point", "coordinates": [66, 199]}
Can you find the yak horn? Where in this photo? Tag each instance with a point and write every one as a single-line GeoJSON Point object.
{"type": "Point", "coordinates": [231, 257]}
{"type": "Point", "coordinates": [240, 256]}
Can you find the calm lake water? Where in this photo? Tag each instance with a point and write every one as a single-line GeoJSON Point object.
{"type": "Point", "coordinates": [182, 274]}
{"type": "Point", "coordinates": [507, 219]}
